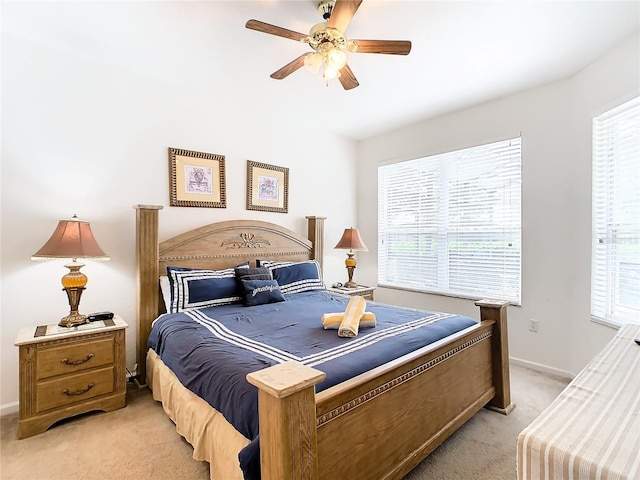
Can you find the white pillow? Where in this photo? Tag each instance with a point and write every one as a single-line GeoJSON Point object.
{"type": "Point", "coordinates": [165, 288]}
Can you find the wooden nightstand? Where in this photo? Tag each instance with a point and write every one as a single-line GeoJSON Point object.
{"type": "Point", "coordinates": [361, 290]}
{"type": "Point", "coordinates": [66, 372]}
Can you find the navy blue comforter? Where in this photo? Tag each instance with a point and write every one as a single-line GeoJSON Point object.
{"type": "Point", "coordinates": [213, 349]}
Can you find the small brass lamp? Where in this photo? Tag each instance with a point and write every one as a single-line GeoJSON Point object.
{"type": "Point", "coordinates": [351, 240]}
{"type": "Point", "coordinates": [72, 239]}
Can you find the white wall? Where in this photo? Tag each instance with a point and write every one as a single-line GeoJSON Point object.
{"type": "Point", "coordinates": [85, 136]}
{"type": "Point", "coordinates": [85, 130]}
{"type": "Point", "coordinates": [555, 124]}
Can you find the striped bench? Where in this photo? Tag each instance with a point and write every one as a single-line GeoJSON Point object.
{"type": "Point", "coordinates": [592, 430]}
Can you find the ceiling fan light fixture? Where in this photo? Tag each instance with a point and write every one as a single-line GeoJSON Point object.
{"type": "Point", "coordinates": [313, 62]}
{"type": "Point", "coordinates": [330, 73]}
{"type": "Point", "coordinates": [336, 58]}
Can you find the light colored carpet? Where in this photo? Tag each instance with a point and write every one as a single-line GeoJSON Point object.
{"type": "Point", "coordinates": [140, 442]}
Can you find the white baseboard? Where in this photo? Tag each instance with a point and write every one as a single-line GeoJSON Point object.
{"type": "Point", "coordinates": [542, 368]}
{"type": "Point", "coordinates": [8, 409]}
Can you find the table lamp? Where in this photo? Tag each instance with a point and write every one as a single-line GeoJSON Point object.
{"type": "Point", "coordinates": [351, 240]}
{"type": "Point", "coordinates": [72, 239]}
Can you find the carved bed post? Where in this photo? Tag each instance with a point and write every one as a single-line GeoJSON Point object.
{"type": "Point", "coordinates": [315, 233]}
{"type": "Point", "coordinates": [287, 412]}
{"type": "Point", "coordinates": [147, 279]}
{"type": "Point", "coordinates": [497, 310]}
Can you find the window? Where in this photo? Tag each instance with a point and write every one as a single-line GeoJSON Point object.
{"type": "Point", "coordinates": [450, 223]}
{"type": "Point", "coordinates": [615, 251]}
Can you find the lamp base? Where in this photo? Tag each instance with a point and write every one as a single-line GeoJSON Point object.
{"type": "Point", "coordinates": [350, 264]}
{"type": "Point", "coordinates": [73, 320]}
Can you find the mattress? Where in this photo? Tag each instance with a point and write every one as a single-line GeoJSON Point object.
{"type": "Point", "coordinates": [211, 350]}
{"type": "Point", "coordinates": [592, 430]}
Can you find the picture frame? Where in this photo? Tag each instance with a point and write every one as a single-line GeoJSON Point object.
{"type": "Point", "coordinates": [267, 187]}
{"type": "Point", "coordinates": [196, 179]}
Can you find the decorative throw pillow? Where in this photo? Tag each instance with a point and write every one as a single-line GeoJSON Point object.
{"type": "Point", "coordinates": [259, 292]}
{"type": "Point", "coordinates": [259, 273]}
{"type": "Point", "coordinates": [295, 277]}
{"type": "Point", "coordinates": [197, 288]}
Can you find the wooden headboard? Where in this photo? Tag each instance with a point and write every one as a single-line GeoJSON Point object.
{"type": "Point", "coordinates": [215, 246]}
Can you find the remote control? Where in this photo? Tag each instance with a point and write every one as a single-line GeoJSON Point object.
{"type": "Point", "coordinates": [94, 317]}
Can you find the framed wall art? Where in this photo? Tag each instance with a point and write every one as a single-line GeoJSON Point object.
{"type": "Point", "coordinates": [196, 179]}
{"type": "Point", "coordinates": [267, 187]}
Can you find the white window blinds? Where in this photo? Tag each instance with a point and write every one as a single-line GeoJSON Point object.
{"type": "Point", "coordinates": [615, 252]}
{"type": "Point", "coordinates": [450, 223]}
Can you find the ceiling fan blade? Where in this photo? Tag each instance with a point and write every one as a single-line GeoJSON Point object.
{"type": "Point", "coordinates": [273, 30]}
{"type": "Point", "coordinates": [342, 13]}
{"type": "Point", "coordinates": [289, 68]}
{"type": "Point", "coordinates": [393, 47]}
{"type": "Point", "coordinates": [347, 78]}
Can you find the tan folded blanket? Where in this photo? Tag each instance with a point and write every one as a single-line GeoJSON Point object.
{"type": "Point", "coordinates": [332, 321]}
{"type": "Point", "coordinates": [352, 315]}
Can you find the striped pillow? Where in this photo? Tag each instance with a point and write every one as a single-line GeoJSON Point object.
{"type": "Point", "coordinates": [295, 277]}
{"type": "Point", "coordinates": [196, 288]}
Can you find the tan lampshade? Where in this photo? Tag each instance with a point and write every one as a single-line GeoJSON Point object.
{"type": "Point", "coordinates": [71, 239]}
{"type": "Point", "coordinates": [351, 240]}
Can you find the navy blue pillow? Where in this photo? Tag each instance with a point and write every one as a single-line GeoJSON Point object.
{"type": "Point", "coordinates": [259, 292]}
{"type": "Point", "coordinates": [197, 288]}
{"type": "Point", "coordinates": [295, 277]}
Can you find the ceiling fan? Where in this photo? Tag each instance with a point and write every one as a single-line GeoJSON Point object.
{"type": "Point", "coordinates": [329, 42]}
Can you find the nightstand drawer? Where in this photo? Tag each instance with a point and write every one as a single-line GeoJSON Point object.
{"type": "Point", "coordinates": [74, 357]}
{"type": "Point", "coordinates": [73, 388]}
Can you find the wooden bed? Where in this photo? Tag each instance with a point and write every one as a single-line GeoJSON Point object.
{"type": "Point", "coordinates": [388, 419]}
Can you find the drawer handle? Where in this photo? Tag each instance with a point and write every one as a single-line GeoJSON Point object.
{"type": "Point", "coordinates": [78, 392]}
{"type": "Point", "coordinates": [77, 362]}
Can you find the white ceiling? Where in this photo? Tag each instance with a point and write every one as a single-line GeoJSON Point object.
{"type": "Point", "coordinates": [464, 53]}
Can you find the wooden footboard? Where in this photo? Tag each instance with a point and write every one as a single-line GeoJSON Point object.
{"type": "Point", "coordinates": [382, 423]}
